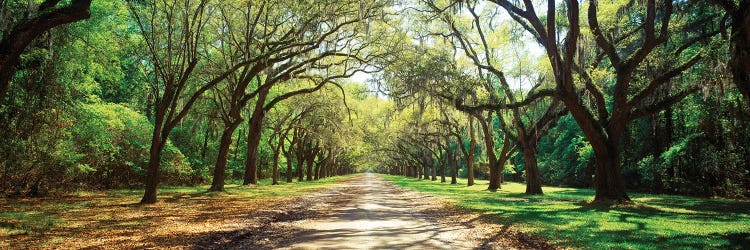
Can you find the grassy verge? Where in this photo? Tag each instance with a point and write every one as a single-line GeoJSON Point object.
{"type": "Point", "coordinates": [565, 218]}
{"type": "Point", "coordinates": [115, 214]}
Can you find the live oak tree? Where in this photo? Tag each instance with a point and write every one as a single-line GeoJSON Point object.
{"type": "Point", "coordinates": [496, 160]}
{"type": "Point", "coordinates": [494, 81]}
{"type": "Point", "coordinates": [739, 43]}
{"type": "Point", "coordinates": [605, 127]}
{"type": "Point", "coordinates": [319, 48]}
{"type": "Point", "coordinates": [278, 49]}
{"type": "Point", "coordinates": [284, 124]}
{"type": "Point", "coordinates": [86, 99]}
{"type": "Point", "coordinates": [173, 32]}
{"type": "Point", "coordinates": [19, 30]}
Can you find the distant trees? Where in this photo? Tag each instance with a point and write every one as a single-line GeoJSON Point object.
{"type": "Point", "coordinates": [314, 50]}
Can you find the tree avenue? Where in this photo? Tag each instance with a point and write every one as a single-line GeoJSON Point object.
{"type": "Point", "coordinates": [618, 96]}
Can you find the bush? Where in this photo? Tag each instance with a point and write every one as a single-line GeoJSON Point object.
{"type": "Point", "coordinates": [92, 146]}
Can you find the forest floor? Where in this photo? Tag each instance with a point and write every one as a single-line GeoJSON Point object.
{"type": "Point", "coordinates": [566, 218]}
{"type": "Point", "coordinates": [361, 211]}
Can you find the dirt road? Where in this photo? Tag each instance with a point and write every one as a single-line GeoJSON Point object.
{"type": "Point", "coordinates": [370, 214]}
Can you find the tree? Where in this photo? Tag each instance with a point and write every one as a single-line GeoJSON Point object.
{"type": "Point", "coordinates": [469, 154]}
{"type": "Point", "coordinates": [739, 48]}
{"type": "Point", "coordinates": [319, 50]}
{"type": "Point", "coordinates": [603, 127]}
{"type": "Point", "coordinates": [15, 40]}
{"type": "Point", "coordinates": [496, 163]}
{"type": "Point", "coordinates": [174, 35]}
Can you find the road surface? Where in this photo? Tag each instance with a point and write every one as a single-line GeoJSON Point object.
{"type": "Point", "coordinates": [373, 214]}
{"type": "Point", "coordinates": [368, 212]}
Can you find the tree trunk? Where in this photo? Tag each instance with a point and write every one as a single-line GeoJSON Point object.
{"type": "Point", "coordinates": [310, 158]}
{"type": "Point", "coordinates": [489, 143]}
{"type": "Point", "coordinates": [426, 166]}
{"type": "Point", "coordinates": [323, 167]}
{"type": "Point", "coordinates": [495, 178]}
{"type": "Point", "coordinates": [275, 175]}
{"type": "Point", "coordinates": [300, 171]}
{"type": "Point", "coordinates": [454, 167]}
{"type": "Point", "coordinates": [470, 158]}
{"type": "Point", "coordinates": [288, 169]}
{"type": "Point", "coordinates": [288, 157]}
{"type": "Point", "coordinates": [158, 141]}
{"type": "Point", "coordinates": [610, 187]}
{"type": "Point", "coordinates": [325, 170]}
{"type": "Point", "coordinates": [533, 180]}
{"type": "Point", "coordinates": [442, 173]}
{"type": "Point", "coordinates": [740, 49]}
{"type": "Point", "coordinates": [316, 175]}
{"type": "Point", "coordinates": [433, 171]}
{"type": "Point", "coordinates": [443, 165]}
{"type": "Point", "coordinates": [221, 161]}
{"type": "Point", "coordinates": [152, 173]}
{"type": "Point", "coordinates": [255, 129]}
{"type": "Point", "coordinates": [301, 159]}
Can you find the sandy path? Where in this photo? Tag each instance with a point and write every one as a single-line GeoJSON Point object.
{"type": "Point", "coordinates": [368, 212]}
{"type": "Point", "coordinates": [373, 214]}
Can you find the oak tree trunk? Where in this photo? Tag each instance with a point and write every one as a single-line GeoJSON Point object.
{"type": "Point", "coordinates": [275, 164]}
{"type": "Point", "coordinates": [443, 165]}
{"type": "Point", "coordinates": [221, 160]}
{"type": "Point", "coordinates": [288, 167]}
{"type": "Point", "coordinates": [255, 129]}
{"type": "Point", "coordinates": [740, 49]}
{"type": "Point", "coordinates": [610, 187]}
{"type": "Point", "coordinates": [317, 170]}
{"type": "Point", "coordinates": [152, 172]}
{"type": "Point", "coordinates": [495, 168]}
{"type": "Point", "coordinates": [310, 158]}
{"type": "Point", "coordinates": [533, 179]}
{"type": "Point", "coordinates": [470, 157]}
{"type": "Point", "coordinates": [609, 184]}
{"type": "Point", "coordinates": [454, 168]}
{"type": "Point", "coordinates": [158, 141]}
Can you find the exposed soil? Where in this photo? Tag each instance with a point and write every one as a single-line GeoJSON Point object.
{"type": "Point", "coordinates": [371, 213]}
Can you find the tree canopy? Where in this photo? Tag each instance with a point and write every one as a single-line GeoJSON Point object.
{"type": "Point", "coordinates": [618, 96]}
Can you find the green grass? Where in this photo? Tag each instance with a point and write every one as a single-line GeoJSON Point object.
{"type": "Point", "coordinates": [565, 217]}
{"type": "Point", "coordinates": [40, 215]}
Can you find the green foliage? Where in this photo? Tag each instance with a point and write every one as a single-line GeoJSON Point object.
{"type": "Point", "coordinates": [565, 157]}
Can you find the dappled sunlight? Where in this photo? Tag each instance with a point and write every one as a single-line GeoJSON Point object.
{"type": "Point", "coordinates": [113, 220]}
{"type": "Point", "coordinates": [565, 216]}
{"type": "Point", "coordinates": [371, 215]}
{"type": "Point", "coordinates": [338, 124]}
